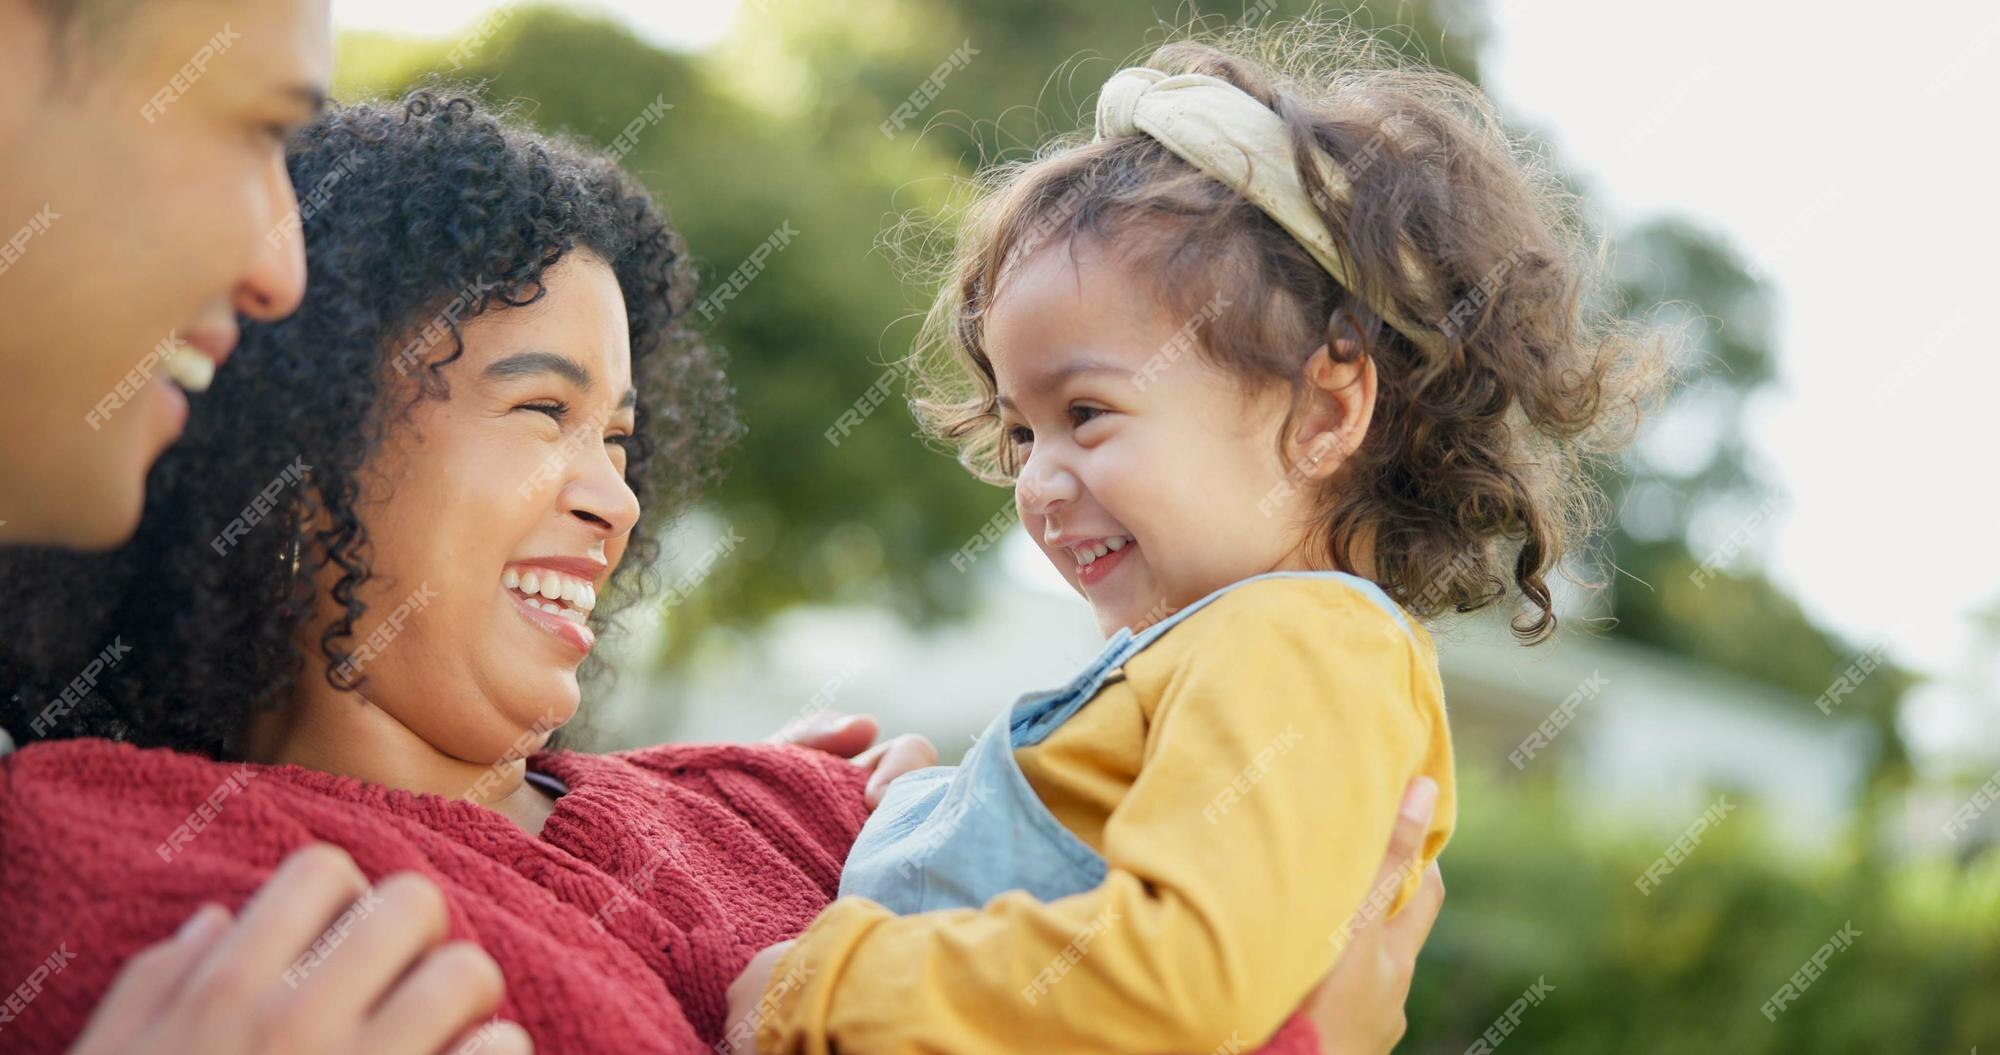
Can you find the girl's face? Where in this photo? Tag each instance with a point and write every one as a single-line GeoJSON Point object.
{"type": "Point", "coordinates": [516, 481]}
{"type": "Point", "coordinates": [1131, 445]}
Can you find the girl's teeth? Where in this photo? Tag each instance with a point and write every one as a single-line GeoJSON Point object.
{"type": "Point", "coordinates": [1087, 555]}
{"type": "Point", "coordinates": [531, 583]}
{"type": "Point", "coordinates": [551, 588]}
{"type": "Point", "coordinates": [510, 578]}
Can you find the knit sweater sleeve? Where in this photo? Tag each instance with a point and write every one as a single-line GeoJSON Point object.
{"type": "Point", "coordinates": [807, 803]}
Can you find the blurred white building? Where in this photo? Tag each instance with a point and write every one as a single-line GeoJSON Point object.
{"type": "Point", "coordinates": [1661, 737]}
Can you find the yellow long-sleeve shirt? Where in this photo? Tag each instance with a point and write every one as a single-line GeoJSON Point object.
{"type": "Point", "coordinates": [1240, 780]}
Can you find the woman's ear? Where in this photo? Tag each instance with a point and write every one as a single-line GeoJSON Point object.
{"type": "Point", "coordinates": [1338, 402]}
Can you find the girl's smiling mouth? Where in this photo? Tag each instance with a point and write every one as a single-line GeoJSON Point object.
{"type": "Point", "coordinates": [1096, 559]}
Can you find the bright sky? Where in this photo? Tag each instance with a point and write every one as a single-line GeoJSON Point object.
{"type": "Point", "coordinates": [1852, 158]}
{"type": "Point", "coordinates": [1853, 155]}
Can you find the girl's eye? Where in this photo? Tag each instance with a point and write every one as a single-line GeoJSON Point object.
{"type": "Point", "coordinates": [1080, 414]}
{"type": "Point", "coordinates": [1020, 435]}
{"type": "Point", "coordinates": [627, 441]}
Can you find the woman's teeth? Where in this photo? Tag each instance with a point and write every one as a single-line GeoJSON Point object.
{"type": "Point", "coordinates": [1087, 555]}
{"type": "Point", "coordinates": [553, 592]}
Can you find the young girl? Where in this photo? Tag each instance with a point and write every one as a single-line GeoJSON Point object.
{"type": "Point", "coordinates": [1276, 366]}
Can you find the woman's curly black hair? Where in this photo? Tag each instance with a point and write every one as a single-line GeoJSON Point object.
{"type": "Point", "coordinates": [417, 215]}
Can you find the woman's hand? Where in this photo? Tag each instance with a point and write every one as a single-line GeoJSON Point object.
{"type": "Point", "coordinates": [746, 993]}
{"type": "Point", "coordinates": [848, 736]}
{"type": "Point", "coordinates": [1358, 1007]}
{"type": "Point", "coordinates": [390, 987]}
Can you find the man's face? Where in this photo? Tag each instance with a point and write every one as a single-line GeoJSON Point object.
{"type": "Point", "coordinates": [143, 206]}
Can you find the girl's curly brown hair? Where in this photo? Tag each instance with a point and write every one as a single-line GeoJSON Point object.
{"type": "Point", "coordinates": [1474, 478]}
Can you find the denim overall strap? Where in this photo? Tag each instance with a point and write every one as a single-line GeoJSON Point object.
{"type": "Point", "coordinates": [1037, 715]}
{"type": "Point", "coordinates": [1034, 716]}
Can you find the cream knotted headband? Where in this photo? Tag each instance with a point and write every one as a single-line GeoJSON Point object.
{"type": "Point", "coordinates": [1225, 132]}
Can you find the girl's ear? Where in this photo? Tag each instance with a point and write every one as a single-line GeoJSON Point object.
{"type": "Point", "coordinates": [1338, 403]}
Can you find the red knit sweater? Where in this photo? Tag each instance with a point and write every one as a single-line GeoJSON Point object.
{"type": "Point", "coordinates": [619, 929]}
{"type": "Point", "coordinates": [691, 858]}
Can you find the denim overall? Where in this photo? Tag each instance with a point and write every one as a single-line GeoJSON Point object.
{"type": "Point", "coordinates": [957, 836]}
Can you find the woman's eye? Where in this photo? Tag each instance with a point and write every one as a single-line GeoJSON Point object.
{"type": "Point", "coordinates": [627, 441]}
{"type": "Point", "coordinates": [554, 409]}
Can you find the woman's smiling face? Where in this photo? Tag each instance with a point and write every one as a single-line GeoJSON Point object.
{"type": "Point", "coordinates": [516, 480]}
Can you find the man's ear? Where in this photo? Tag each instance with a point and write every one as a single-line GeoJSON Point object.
{"type": "Point", "coordinates": [1337, 404]}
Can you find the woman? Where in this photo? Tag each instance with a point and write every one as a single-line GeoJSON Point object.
{"type": "Point", "coordinates": [365, 595]}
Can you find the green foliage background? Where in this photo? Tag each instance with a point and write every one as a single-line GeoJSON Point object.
{"type": "Point", "coordinates": [781, 125]}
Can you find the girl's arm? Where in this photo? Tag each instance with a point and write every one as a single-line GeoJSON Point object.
{"type": "Point", "coordinates": [1284, 734]}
